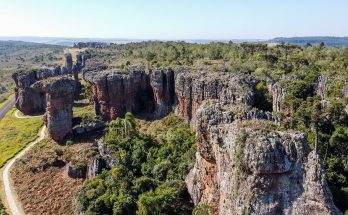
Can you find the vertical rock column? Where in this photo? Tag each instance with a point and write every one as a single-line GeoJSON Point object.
{"type": "Point", "coordinates": [162, 83]}
{"type": "Point", "coordinates": [59, 98]}
{"type": "Point", "coordinates": [68, 63]}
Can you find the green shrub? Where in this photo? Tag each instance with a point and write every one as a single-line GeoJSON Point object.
{"type": "Point", "coordinates": [150, 176]}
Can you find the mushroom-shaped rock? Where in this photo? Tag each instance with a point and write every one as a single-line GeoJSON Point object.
{"type": "Point", "coordinates": [27, 101]}
{"type": "Point", "coordinates": [59, 98]}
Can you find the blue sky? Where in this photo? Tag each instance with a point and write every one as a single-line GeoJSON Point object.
{"type": "Point", "coordinates": [174, 19]}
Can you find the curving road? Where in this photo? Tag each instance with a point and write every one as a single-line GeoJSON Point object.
{"type": "Point", "coordinates": [19, 115]}
{"type": "Point", "coordinates": [6, 108]}
{"type": "Point", "coordinates": [13, 204]}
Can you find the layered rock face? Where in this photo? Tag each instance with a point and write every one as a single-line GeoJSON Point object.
{"type": "Point", "coordinates": [59, 98]}
{"type": "Point", "coordinates": [159, 91]}
{"type": "Point", "coordinates": [162, 84]}
{"type": "Point", "coordinates": [138, 92]}
{"type": "Point", "coordinates": [117, 93]}
{"type": "Point", "coordinates": [244, 166]}
{"type": "Point", "coordinates": [192, 89]}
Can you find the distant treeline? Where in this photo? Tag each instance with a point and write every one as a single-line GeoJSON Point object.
{"type": "Point", "coordinates": [303, 41]}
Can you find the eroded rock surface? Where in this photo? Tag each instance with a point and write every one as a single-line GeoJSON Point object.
{"type": "Point", "coordinates": [117, 93]}
{"type": "Point", "coordinates": [277, 93]}
{"type": "Point", "coordinates": [159, 91]}
{"type": "Point", "coordinates": [246, 166]}
{"type": "Point", "coordinates": [192, 88]}
{"type": "Point", "coordinates": [243, 163]}
{"type": "Point", "coordinates": [59, 98]}
{"type": "Point", "coordinates": [162, 84]}
{"type": "Point", "coordinates": [28, 101]}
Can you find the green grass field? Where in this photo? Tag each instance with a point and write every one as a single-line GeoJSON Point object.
{"type": "Point", "coordinates": [2, 103]}
{"type": "Point", "coordinates": [2, 209]}
{"type": "Point", "coordinates": [15, 134]}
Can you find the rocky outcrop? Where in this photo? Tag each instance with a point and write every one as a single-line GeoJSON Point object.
{"type": "Point", "coordinates": [277, 93]}
{"type": "Point", "coordinates": [321, 88]}
{"type": "Point", "coordinates": [89, 127]}
{"type": "Point", "coordinates": [157, 92]}
{"type": "Point", "coordinates": [81, 58]}
{"type": "Point", "coordinates": [77, 171]}
{"type": "Point", "coordinates": [117, 93]}
{"type": "Point", "coordinates": [245, 166]}
{"type": "Point", "coordinates": [107, 154]}
{"type": "Point", "coordinates": [87, 164]}
{"type": "Point", "coordinates": [28, 101]}
{"type": "Point", "coordinates": [68, 68]}
{"type": "Point", "coordinates": [162, 84]}
{"type": "Point", "coordinates": [59, 98]}
{"type": "Point", "coordinates": [192, 89]}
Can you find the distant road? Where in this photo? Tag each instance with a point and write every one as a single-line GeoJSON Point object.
{"type": "Point", "coordinates": [6, 108]}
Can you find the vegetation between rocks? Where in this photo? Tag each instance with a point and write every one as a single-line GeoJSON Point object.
{"type": "Point", "coordinates": [149, 178]}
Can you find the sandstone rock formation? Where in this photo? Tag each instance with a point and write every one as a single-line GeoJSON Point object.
{"type": "Point", "coordinates": [321, 88]}
{"type": "Point", "coordinates": [159, 91]}
{"type": "Point", "coordinates": [59, 97]}
{"type": "Point", "coordinates": [89, 127]}
{"type": "Point", "coordinates": [30, 102]}
{"type": "Point", "coordinates": [277, 93]}
{"type": "Point", "coordinates": [27, 100]}
{"type": "Point", "coordinates": [192, 88]}
{"type": "Point", "coordinates": [117, 93]}
{"type": "Point", "coordinates": [162, 84]}
{"type": "Point", "coordinates": [68, 63]}
{"type": "Point", "coordinates": [245, 166]}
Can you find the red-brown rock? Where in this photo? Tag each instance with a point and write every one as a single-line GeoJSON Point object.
{"type": "Point", "coordinates": [59, 96]}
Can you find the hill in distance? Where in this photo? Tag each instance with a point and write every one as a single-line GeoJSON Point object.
{"type": "Point", "coordinates": [301, 41]}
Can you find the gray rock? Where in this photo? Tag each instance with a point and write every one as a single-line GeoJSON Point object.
{"type": "Point", "coordinates": [245, 166]}
{"type": "Point", "coordinates": [92, 126]}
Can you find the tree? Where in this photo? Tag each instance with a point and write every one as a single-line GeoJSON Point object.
{"type": "Point", "coordinates": [129, 124]}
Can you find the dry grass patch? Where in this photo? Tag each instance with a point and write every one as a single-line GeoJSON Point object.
{"type": "Point", "coordinates": [41, 178]}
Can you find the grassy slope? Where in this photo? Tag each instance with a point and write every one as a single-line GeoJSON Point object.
{"type": "Point", "coordinates": [2, 209]}
{"type": "Point", "coordinates": [15, 134]}
{"type": "Point", "coordinates": [2, 103]}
